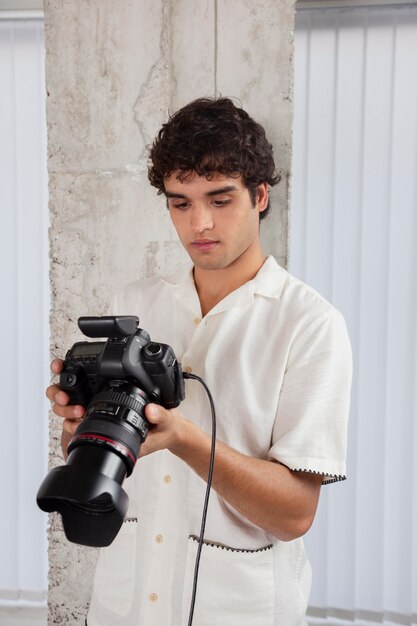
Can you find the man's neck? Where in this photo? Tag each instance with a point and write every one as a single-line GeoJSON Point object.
{"type": "Point", "coordinates": [214, 285]}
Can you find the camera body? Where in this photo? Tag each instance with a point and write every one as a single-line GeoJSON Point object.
{"type": "Point", "coordinates": [114, 379]}
{"type": "Point", "coordinates": [128, 355]}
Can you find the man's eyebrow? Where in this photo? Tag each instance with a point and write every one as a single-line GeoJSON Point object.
{"type": "Point", "coordinates": [170, 194]}
{"type": "Point", "coordinates": [221, 190]}
{"type": "Point", "coordinates": [213, 192]}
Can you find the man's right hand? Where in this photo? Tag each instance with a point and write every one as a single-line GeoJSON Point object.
{"type": "Point", "coordinates": [71, 413]}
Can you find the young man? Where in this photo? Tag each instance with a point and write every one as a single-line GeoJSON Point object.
{"type": "Point", "coordinates": [276, 358]}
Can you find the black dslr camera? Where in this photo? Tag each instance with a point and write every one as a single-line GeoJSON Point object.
{"type": "Point", "coordinates": [114, 380]}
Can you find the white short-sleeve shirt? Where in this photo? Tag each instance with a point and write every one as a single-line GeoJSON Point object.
{"type": "Point", "coordinates": [277, 359]}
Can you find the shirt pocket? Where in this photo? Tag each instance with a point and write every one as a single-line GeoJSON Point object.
{"type": "Point", "coordinates": [235, 586]}
{"type": "Point", "coordinates": [115, 572]}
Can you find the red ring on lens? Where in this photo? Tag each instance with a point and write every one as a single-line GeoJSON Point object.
{"type": "Point", "coordinates": [116, 444]}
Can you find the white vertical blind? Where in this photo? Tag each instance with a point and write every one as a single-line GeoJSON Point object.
{"type": "Point", "coordinates": [23, 313]}
{"type": "Point", "coordinates": [354, 238]}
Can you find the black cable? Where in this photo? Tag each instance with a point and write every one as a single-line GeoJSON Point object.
{"type": "Point", "coordinates": [206, 499]}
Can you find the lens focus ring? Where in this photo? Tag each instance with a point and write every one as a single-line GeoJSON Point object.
{"type": "Point", "coordinates": [121, 399]}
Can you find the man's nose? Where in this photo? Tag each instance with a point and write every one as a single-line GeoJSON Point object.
{"type": "Point", "coordinates": [201, 218]}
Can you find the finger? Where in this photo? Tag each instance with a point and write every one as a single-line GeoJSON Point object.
{"type": "Point", "coordinates": [70, 412]}
{"type": "Point", "coordinates": [70, 426]}
{"type": "Point", "coordinates": [51, 392]}
{"type": "Point", "coordinates": [153, 413]}
{"type": "Point", "coordinates": [57, 366]}
{"type": "Point", "coordinates": [157, 414]}
{"type": "Point", "coordinates": [54, 393]}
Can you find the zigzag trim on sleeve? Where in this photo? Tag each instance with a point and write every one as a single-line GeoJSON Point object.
{"type": "Point", "coordinates": [330, 478]}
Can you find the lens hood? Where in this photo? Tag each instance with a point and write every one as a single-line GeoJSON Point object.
{"type": "Point", "coordinates": [92, 505]}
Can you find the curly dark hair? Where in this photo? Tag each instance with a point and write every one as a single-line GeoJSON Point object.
{"type": "Point", "coordinates": [210, 136]}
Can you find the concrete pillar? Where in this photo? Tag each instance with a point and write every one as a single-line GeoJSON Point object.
{"type": "Point", "coordinates": [113, 71]}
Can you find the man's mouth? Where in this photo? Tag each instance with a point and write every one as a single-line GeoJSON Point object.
{"type": "Point", "coordinates": [204, 245]}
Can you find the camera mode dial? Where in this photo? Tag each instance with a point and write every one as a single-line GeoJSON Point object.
{"type": "Point", "coordinates": [153, 349]}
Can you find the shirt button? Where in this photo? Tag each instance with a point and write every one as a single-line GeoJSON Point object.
{"type": "Point", "coordinates": [188, 369]}
{"type": "Point", "coordinates": [197, 320]}
{"type": "Point", "coordinates": [153, 597]}
{"type": "Point", "coordinates": [159, 538]}
{"type": "Point", "coordinates": [167, 479]}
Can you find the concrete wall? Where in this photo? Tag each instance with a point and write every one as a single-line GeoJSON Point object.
{"type": "Point", "coordinates": [113, 71]}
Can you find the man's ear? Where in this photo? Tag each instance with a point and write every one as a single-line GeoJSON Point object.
{"type": "Point", "coordinates": [262, 197]}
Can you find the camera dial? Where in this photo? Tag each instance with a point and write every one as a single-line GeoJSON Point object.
{"type": "Point", "coordinates": [153, 349]}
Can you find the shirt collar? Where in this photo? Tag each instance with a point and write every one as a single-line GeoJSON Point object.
{"type": "Point", "coordinates": [184, 289]}
{"type": "Point", "coordinates": [269, 282]}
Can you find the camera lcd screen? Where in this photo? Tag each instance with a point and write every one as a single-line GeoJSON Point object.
{"type": "Point", "coordinates": [87, 349]}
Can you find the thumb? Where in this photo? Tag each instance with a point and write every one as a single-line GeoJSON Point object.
{"type": "Point", "coordinates": [153, 413]}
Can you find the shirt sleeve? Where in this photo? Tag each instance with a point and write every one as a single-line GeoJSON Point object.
{"type": "Point", "coordinates": [310, 429]}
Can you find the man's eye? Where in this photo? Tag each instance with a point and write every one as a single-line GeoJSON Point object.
{"type": "Point", "coordinates": [220, 203]}
{"type": "Point", "coordinates": [181, 205]}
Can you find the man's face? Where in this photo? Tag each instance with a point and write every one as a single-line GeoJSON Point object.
{"type": "Point", "coordinates": [215, 219]}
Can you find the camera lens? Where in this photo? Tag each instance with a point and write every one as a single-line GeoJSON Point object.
{"type": "Point", "coordinates": [115, 421]}
{"type": "Point", "coordinates": [87, 490]}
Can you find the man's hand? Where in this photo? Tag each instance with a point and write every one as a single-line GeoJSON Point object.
{"type": "Point", "coordinates": [166, 427]}
{"type": "Point", "coordinates": [72, 414]}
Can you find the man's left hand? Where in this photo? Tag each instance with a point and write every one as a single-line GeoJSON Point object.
{"type": "Point", "coordinates": [165, 429]}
